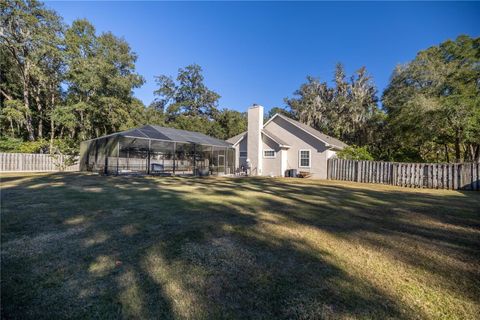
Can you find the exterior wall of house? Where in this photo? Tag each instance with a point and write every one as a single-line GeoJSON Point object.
{"type": "Point", "coordinates": [271, 166]}
{"type": "Point", "coordinates": [237, 156]}
{"type": "Point", "coordinates": [283, 161]}
{"type": "Point", "coordinates": [242, 147]}
{"type": "Point", "coordinates": [254, 138]}
{"type": "Point", "coordinates": [298, 140]}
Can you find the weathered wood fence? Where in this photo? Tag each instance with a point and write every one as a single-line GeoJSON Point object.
{"type": "Point", "coordinates": [15, 162]}
{"type": "Point", "coordinates": [453, 176]}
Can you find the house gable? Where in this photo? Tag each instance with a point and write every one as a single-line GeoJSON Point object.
{"type": "Point", "coordinates": [331, 142]}
{"type": "Point", "coordinates": [294, 136]}
{"type": "Point", "coordinates": [299, 140]}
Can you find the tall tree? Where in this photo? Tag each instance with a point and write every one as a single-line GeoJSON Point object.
{"type": "Point", "coordinates": [433, 102]}
{"type": "Point", "coordinates": [346, 111]}
{"type": "Point", "coordinates": [188, 96]}
{"type": "Point", "coordinates": [230, 123]}
{"type": "Point", "coordinates": [30, 35]}
{"type": "Point", "coordinates": [279, 110]}
{"type": "Point", "coordinates": [101, 77]}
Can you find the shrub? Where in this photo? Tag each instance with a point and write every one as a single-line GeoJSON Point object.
{"type": "Point", "coordinates": [15, 145]}
{"type": "Point", "coordinates": [8, 144]}
{"type": "Point", "coordinates": [354, 153]}
{"type": "Point", "coordinates": [66, 147]}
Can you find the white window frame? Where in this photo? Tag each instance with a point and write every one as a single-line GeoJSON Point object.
{"type": "Point", "coordinates": [240, 154]}
{"type": "Point", "coordinates": [300, 158]}
{"type": "Point", "coordinates": [269, 157]}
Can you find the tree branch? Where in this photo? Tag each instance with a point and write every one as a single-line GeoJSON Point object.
{"type": "Point", "coordinates": [8, 97]}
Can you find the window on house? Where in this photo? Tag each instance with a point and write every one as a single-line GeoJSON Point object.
{"type": "Point", "coordinates": [243, 154]}
{"type": "Point", "coordinates": [269, 153]}
{"type": "Point", "coordinates": [304, 159]}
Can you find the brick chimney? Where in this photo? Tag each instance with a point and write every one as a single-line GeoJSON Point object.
{"type": "Point", "coordinates": [254, 139]}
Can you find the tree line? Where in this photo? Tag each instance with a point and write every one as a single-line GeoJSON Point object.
{"type": "Point", "coordinates": [61, 84]}
{"type": "Point", "coordinates": [429, 112]}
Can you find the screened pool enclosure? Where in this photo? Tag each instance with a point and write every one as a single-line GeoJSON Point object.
{"type": "Point", "coordinates": [157, 150]}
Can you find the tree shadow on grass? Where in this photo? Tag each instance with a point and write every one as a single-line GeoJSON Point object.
{"type": "Point", "coordinates": [81, 246]}
{"type": "Point", "coordinates": [436, 233]}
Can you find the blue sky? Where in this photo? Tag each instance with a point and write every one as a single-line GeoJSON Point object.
{"type": "Point", "coordinates": [260, 52]}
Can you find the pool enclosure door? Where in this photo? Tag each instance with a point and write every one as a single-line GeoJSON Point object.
{"type": "Point", "coordinates": [221, 164]}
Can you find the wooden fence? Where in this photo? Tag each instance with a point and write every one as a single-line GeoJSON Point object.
{"type": "Point", "coordinates": [465, 176]}
{"type": "Point", "coordinates": [17, 162]}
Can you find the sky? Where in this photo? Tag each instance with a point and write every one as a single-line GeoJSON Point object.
{"type": "Point", "coordinates": [261, 52]}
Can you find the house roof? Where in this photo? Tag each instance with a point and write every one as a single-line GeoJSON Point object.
{"type": "Point", "coordinates": [329, 141]}
{"type": "Point", "coordinates": [236, 139]}
{"type": "Point", "coordinates": [171, 134]}
{"type": "Point", "coordinates": [276, 139]}
{"type": "Point", "coordinates": [239, 137]}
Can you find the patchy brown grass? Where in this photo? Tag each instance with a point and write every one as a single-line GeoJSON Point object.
{"type": "Point", "coordinates": [85, 246]}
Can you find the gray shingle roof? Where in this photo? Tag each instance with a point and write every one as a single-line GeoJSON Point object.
{"type": "Point", "coordinates": [235, 139]}
{"type": "Point", "coordinates": [321, 136]}
{"type": "Point", "coordinates": [330, 140]}
{"type": "Point", "coordinates": [279, 141]}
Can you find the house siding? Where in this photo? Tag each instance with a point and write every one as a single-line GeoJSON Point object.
{"type": "Point", "coordinates": [298, 140]}
{"type": "Point", "coordinates": [242, 146]}
{"type": "Point", "coordinates": [271, 166]}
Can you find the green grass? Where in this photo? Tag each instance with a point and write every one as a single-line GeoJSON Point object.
{"type": "Point", "coordinates": [86, 246]}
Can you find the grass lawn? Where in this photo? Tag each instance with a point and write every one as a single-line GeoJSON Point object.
{"type": "Point", "coordinates": [84, 246]}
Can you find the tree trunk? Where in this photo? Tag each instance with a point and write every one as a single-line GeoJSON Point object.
{"type": "Point", "coordinates": [28, 117]}
{"type": "Point", "coordinates": [40, 127]}
{"type": "Point", "coordinates": [11, 127]}
{"type": "Point", "coordinates": [458, 152]}
{"type": "Point", "coordinates": [446, 153]}
{"type": "Point", "coordinates": [38, 102]}
{"type": "Point", "coordinates": [26, 101]}
{"type": "Point", "coordinates": [52, 123]}
{"type": "Point", "coordinates": [52, 134]}
{"type": "Point", "coordinates": [474, 152]}
{"type": "Point", "coordinates": [466, 153]}
{"type": "Point", "coordinates": [82, 128]}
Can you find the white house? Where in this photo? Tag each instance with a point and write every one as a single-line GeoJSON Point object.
{"type": "Point", "coordinates": [281, 144]}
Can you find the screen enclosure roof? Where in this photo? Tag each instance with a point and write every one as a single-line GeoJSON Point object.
{"type": "Point", "coordinates": [170, 134]}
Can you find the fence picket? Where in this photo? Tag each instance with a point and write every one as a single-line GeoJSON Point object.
{"type": "Point", "coordinates": [409, 175]}
{"type": "Point", "coordinates": [477, 184]}
{"type": "Point", "coordinates": [382, 167]}
{"type": "Point", "coordinates": [414, 176]}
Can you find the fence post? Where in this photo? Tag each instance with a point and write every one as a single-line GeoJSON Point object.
{"type": "Point", "coordinates": [353, 168]}
{"type": "Point", "coordinates": [418, 167]}
{"type": "Point", "coordinates": [380, 178]}
{"type": "Point", "coordinates": [477, 183]}
{"type": "Point", "coordinates": [392, 174]}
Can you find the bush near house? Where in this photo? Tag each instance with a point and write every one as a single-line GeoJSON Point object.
{"type": "Point", "coordinates": [354, 153]}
